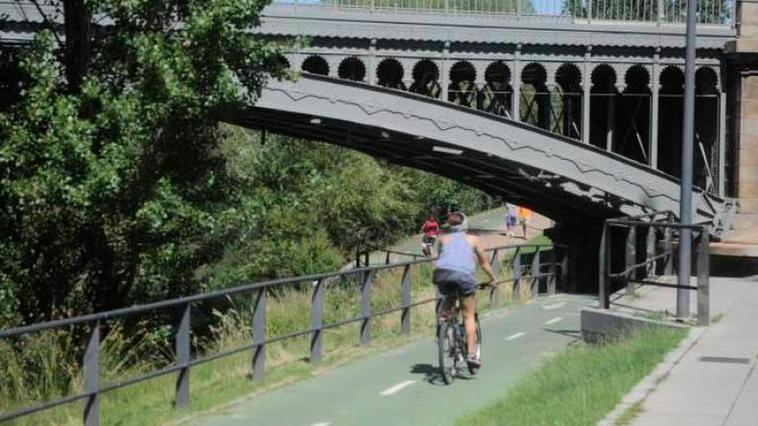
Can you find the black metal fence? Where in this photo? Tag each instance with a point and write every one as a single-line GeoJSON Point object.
{"type": "Point", "coordinates": [642, 268]}
{"type": "Point", "coordinates": [538, 266]}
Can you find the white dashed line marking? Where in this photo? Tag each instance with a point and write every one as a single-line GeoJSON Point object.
{"type": "Point", "coordinates": [553, 306]}
{"type": "Point", "coordinates": [321, 424]}
{"type": "Point", "coordinates": [553, 321]}
{"type": "Point", "coordinates": [515, 336]}
{"type": "Point", "coordinates": [397, 388]}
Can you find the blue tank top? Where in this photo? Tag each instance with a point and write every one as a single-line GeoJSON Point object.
{"type": "Point", "coordinates": [457, 255]}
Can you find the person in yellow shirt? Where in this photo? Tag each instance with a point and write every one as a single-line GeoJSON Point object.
{"type": "Point", "coordinates": [524, 216]}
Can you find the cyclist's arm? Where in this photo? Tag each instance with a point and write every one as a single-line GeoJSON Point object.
{"type": "Point", "coordinates": [483, 262]}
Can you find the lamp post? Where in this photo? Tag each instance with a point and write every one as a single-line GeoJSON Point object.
{"type": "Point", "coordinates": [685, 206]}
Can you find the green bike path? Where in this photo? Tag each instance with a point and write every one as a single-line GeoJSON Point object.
{"type": "Point", "coordinates": [402, 386]}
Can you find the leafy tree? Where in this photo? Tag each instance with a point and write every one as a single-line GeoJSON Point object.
{"type": "Point", "coordinates": [112, 186]}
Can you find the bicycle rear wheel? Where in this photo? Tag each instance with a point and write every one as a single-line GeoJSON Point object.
{"type": "Point", "coordinates": [446, 345]}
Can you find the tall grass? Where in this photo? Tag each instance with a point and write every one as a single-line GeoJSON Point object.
{"type": "Point", "coordinates": [581, 385]}
{"type": "Point", "coordinates": [47, 365]}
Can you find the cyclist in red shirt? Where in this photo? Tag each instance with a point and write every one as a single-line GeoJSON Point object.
{"type": "Point", "coordinates": [431, 230]}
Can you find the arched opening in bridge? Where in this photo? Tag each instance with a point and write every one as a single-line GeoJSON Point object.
{"type": "Point", "coordinates": [706, 129]}
{"type": "Point", "coordinates": [462, 90]}
{"type": "Point", "coordinates": [567, 102]}
{"type": "Point", "coordinates": [603, 97]}
{"type": "Point", "coordinates": [535, 97]}
{"type": "Point", "coordinates": [426, 79]}
{"type": "Point", "coordinates": [633, 123]}
{"type": "Point", "coordinates": [315, 65]}
{"type": "Point", "coordinates": [390, 74]}
{"type": "Point", "coordinates": [671, 103]}
{"type": "Point", "coordinates": [497, 94]}
{"type": "Point", "coordinates": [352, 69]}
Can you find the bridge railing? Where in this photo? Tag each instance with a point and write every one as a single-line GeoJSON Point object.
{"type": "Point", "coordinates": [536, 269]}
{"type": "Point", "coordinates": [640, 268]}
{"type": "Point", "coordinates": [711, 12]}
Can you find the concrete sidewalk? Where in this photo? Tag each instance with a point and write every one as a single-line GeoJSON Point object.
{"type": "Point", "coordinates": [714, 382]}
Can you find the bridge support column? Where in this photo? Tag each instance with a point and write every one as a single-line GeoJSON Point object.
{"type": "Point", "coordinates": [445, 77]}
{"type": "Point", "coordinates": [655, 88]}
{"type": "Point", "coordinates": [517, 83]}
{"type": "Point", "coordinates": [586, 95]}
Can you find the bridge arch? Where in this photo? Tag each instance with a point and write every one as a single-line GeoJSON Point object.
{"type": "Point", "coordinates": [633, 121]}
{"type": "Point", "coordinates": [603, 96]}
{"type": "Point", "coordinates": [497, 94]}
{"type": "Point", "coordinates": [426, 76]}
{"type": "Point", "coordinates": [352, 68]}
{"type": "Point", "coordinates": [389, 73]}
{"type": "Point", "coordinates": [672, 107]}
{"type": "Point", "coordinates": [535, 96]}
{"type": "Point", "coordinates": [315, 65]}
{"type": "Point", "coordinates": [462, 90]}
{"type": "Point", "coordinates": [707, 110]}
{"type": "Point", "coordinates": [568, 105]}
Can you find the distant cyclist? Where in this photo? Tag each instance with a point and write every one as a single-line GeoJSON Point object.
{"type": "Point", "coordinates": [454, 274]}
{"type": "Point", "coordinates": [431, 230]}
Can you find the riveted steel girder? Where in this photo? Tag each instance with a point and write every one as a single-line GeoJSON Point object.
{"type": "Point", "coordinates": [566, 179]}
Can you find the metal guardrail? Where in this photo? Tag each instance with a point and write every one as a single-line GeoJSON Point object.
{"type": "Point", "coordinates": [534, 274]}
{"type": "Point", "coordinates": [657, 260]}
{"type": "Point", "coordinates": [656, 12]}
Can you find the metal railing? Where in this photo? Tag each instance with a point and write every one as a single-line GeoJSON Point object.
{"type": "Point", "coordinates": [710, 12]}
{"type": "Point", "coordinates": [657, 259]}
{"type": "Point", "coordinates": [526, 261]}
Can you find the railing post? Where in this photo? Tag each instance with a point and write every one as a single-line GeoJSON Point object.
{"type": "Point", "coordinates": [535, 287]}
{"type": "Point", "coordinates": [366, 308]}
{"type": "Point", "coordinates": [668, 243]}
{"type": "Point", "coordinates": [650, 252]}
{"type": "Point", "coordinates": [405, 300]}
{"type": "Point", "coordinates": [603, 265]}
{"type": "Point", "coordinates": [631, 259]}
{"type": "Point", "coordinates": [91, 363]}
{"type": "Point", "coordinates": [387, 259]}
{"type": "Point", "coordinates": [494, 262]}
{"type": "Point", "coordinates": [703, 274]}
{"type": "Point", "coordinates": [259, 336]}
{"type": "Point", "coordinates": [516, 292]}
{"type": "Point", "coordinates": [551, 280]}
{"type": "Point", "coordinates": [182, 343]}
{"type": "Point", "coordinates": [317, 309]}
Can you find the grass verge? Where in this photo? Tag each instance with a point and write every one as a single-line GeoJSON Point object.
{"type": "Point", "coordinates": [581, 385]}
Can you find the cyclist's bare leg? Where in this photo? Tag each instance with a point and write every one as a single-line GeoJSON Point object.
{"type": "Point", "coordinates": [468, 310]}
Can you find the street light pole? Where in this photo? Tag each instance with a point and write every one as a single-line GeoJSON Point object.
{"type": "Point", "coordinates": [685, 207]}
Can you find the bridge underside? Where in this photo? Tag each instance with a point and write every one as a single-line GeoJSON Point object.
{"type": "Point", "coordinates": [493, 175]}
{"type": "Point", "coordinates": [571, 182]}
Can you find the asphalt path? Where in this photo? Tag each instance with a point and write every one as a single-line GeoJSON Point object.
{"type": "Point", "coordinates": [403, 386]}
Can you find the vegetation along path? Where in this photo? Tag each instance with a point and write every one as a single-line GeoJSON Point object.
{"type": "Point", "coordinates": [402, 386]}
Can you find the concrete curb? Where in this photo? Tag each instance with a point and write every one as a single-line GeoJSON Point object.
{"type": "Point", "coordinates": [638, 393]}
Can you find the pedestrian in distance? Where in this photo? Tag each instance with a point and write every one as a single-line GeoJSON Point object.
{"type": "Point", "coordinates": [524, 216]}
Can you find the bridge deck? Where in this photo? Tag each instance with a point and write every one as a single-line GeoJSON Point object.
{"type": "Point", "coordinates": [413, 393]}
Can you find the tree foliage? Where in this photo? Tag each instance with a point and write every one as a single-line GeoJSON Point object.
{"type": "Point", "coordinates": [113, 189]}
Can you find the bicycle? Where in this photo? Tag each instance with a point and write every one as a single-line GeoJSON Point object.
{"type": "Point", "coordinates": [451, 339]}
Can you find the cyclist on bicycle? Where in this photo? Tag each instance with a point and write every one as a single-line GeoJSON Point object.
{"type": "Point", "coordinates": [454, 274]}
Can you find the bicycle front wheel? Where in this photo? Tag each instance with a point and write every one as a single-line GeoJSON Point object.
{"type": "Point", "coordinates": [447, 348]}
